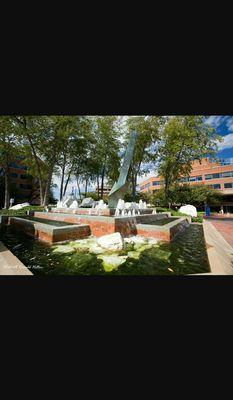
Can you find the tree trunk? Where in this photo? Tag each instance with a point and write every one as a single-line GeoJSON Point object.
{"type": "Point", "coordinates": [86, 183]}
{"type": "Point", "coordinates": [98, 185]}
{"type": "Point", "coordinates": [79, 191]}
{"type": "Point", "coordinates": [102, 182]}
{"type": "Point", "coordinates": [62, 176]}
{"type": "Point", "coordinates": [47, 188]}
{"type": "Point", "coordinates": [7, 188]}
{"type": "Point", "coordinates": [66, 184]}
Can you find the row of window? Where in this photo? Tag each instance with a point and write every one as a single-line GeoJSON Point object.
{"type": "Point", "coordinates": [21, 176]}
{"type": "Point", "coordinates": [17, 166]}
{"type": "Point", "coordinates": [145, 186]}
{"type": "Point", "coordinates": [227, 174]}
{"type": "Point", "coordinates": [25, 186]}
{"type": "Point", "coordinates": [218, 186]}
{"type": "Point", "coordinates": [153, 183]}
{"type": "Point", "coordinates": [191, 179]}
{"type": "Point", "coordinates": [157, 183]}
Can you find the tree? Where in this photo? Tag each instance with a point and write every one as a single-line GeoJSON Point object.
{"type": "Point", "coordinates": [9, 148]}
{"type": "Point", "coordinates": [183, 139]}
{"type": "Point", "coordinates": [197, 195]}
{"type": "Point", "coordinates": [75, 141]}
{"type": "Point", "coordinates": [44, 139]}
{"type": "Point", "coordinates": [144, 154]}
{"type": "Point", "coordinates": [30, 130]}
{"type": "Point", "coordinates": [106, 158]}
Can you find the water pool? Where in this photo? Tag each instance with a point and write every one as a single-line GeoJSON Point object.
{"type": "Point", "coordinates": [161, 222]}
{"type": "Point", "coordinates": [185, 255]}
{"type": "Point", "coordinates": [47, 221]}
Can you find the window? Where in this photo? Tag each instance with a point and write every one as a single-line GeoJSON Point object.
{"type": "Point", "coordinates": [227, 174]}
{"type": "Point", "coordinates": [156, 183]}
{"type": "Point", "coordinates": [17, 166]}
{"type": "Point", "coordinates": [24, 176]}
{"type": "Point", "coordinates": [24, 186]}
{"type": "Point", "coordinates": [217, 186]}
{"type": "Point", "coordinates": [228, 185]}
{"type": "Point", "coordinates": [192, 179]}
{"type": "Point", "coordinates": [215, 176]}
{"type": "Point", "coordinates": [14, 175]}
{"type": "Point", "coordinates": [199, 178]}
{"type": "Point", "coordinates": [209, 176]}
{"type": "Point", "coordinates": [185, 179]}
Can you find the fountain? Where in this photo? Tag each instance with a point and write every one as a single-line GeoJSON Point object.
{"type": "Point", "coordinates": [127, 218]}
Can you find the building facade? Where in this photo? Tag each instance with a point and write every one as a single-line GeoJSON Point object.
{"type": "Point", "coordinates": [26, 186]}
{"type": "Point", "coordinates": [218, 175]}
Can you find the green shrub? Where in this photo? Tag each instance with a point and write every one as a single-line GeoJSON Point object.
{"type": "Point", "coordinates": [197, 219]}
{"type": "Point", "coordinates": [162, 209]}
{"type": "Point", "coordinates": [23, 211]}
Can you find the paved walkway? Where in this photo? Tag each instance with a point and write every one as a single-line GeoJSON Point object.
{"type": "Point", "coordinates": [225, 227]}
{"type": "Point", "coordinates": [220, 252]}
{"type": "Point", "coordinates": [9, 264]}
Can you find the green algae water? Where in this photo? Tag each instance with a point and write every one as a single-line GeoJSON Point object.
{"type": "Point", "coordinates": [185, 255]}
{"type": "Point", "coordinates": [161, 222]}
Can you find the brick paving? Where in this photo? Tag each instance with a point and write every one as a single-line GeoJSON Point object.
{"type": "Point", "coordinates": [225, 227]}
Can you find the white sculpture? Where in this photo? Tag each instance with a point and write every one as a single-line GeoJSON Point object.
{"type": "Point", "coordinates": [74, 204]}
{"type": "Point", "coordinates": [121, 204]}
{"type": "Point", "coordinates": [87, 202]}
{"type": "Point", "coordinates": [189, 210]}
{"type": "Point", "coordinates": [19, 206]}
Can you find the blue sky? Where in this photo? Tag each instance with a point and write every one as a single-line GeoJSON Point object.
{"type": "Point", "coordinates": [224, 126]}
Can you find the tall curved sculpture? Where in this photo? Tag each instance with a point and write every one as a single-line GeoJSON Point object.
{"type": "Point", "coordinates": [121, 186]}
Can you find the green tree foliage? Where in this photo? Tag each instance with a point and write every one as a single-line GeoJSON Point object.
{"type": "Point", "coordinates": [197, 195]}
{"type": "Point", "coordinates": [106, 158]}
{"type": "Point", "coordinates": [183, 139]}
{"type": "Point", "coordinates": [147, 128]}
{"type": "Point", "coordinates": [9, 148]}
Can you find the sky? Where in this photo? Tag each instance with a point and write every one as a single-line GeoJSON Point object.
{"type": "Point", "coordinates": [224, 127]}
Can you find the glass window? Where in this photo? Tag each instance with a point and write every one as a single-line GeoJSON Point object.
{"type": "Point", "coordinates": [210, 176]}
{"type": "Point", "coordinates": [184, 179]}
{"type": "Point", "coordinates": [228, 185]}
{"type": "Point", "coordinates": [24, 186]}
{"type": "Point", "coordinates": [156, 183]}
{"type": "Point", "coordinates": [14, 175]}
{"type": "Point", "coordinates": [227, 174]}
{"type": "Point", "coordinates": [217, 186]}
{"type": "Point", "coordinates": [215, 176]}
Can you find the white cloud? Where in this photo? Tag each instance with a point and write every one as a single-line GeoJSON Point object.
{"type": "Point", "coordinates": [215, 120]}
{"type": "Point", "coordinates": [230, 123]}
{"type": "Point", "coordinates": [227, 142]}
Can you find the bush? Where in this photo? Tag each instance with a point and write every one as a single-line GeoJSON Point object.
{"type": "Point", "coordinates": [177, 214]}
{"type": "Point", "coordinates": [23, 211]}
{"type": "Point", "coordinates": [162, 209]}
{"type": "Point", "coordinates": [197, 219]}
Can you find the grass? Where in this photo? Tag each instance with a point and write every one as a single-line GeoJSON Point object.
{"type": "Point", "coordinates": [23, 211]}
